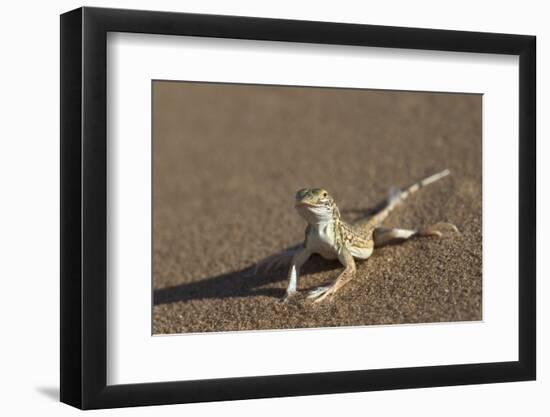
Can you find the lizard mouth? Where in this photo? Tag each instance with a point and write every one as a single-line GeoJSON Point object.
{"type": "Point", "coordinates": [305, 204]}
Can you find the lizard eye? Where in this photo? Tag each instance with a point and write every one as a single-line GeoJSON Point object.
{"type": "Point", "coordinates": [325, 194]}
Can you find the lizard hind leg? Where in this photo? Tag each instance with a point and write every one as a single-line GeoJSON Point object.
{"type": "Point", "coordinates": [383, 236]}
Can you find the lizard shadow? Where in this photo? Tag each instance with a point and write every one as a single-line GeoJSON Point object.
{"type": "Point", "coordinates": [239, 283]}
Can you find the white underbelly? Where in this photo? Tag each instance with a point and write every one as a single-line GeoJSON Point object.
{"type": "Point", "coordinates": [361, 253]}
{"type": "Point", "coordinates": [324, 249]}
{"type": "Point", "coordinates": [329, 251]}
{"type": "Point", "coordinates": [321, 241]}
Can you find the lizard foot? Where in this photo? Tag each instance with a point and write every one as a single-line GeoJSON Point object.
{"type": "Point", "coordinates": [438, 229]}
{"type": "Point", "coordinates": [320, 293]}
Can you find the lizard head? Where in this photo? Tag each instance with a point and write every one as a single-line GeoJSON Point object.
{"type": "Point", "coordinates": [315, 204]}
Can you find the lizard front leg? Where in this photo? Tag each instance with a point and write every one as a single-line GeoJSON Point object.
{"type": "Point", "coordinates": [346, 258]}
{"type": "Point", "coordinates": [298, 260]}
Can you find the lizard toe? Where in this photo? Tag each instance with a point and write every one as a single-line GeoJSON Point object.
{"type": "Point", "coordinates": [318, 292]}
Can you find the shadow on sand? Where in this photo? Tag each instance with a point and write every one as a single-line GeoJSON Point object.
{"type": "Point", "coordinates": [241, 283]}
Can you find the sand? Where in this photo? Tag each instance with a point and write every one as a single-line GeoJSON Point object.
{"type": "Point", "coordinates": [227, 162]}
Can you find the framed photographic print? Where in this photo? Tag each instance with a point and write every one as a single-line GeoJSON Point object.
{"type": "Point", "coordinates": [257, 207]}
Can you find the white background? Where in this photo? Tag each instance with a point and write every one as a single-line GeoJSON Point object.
{"type": "Point", "coordinates": [133, 60]}
{"type": "Point", "coordinates": [29, 236]}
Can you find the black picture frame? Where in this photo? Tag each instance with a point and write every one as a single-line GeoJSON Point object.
{"type": "Point", "coordinates": [84, 207]}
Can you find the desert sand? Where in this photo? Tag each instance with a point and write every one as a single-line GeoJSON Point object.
{"type": "Point", "coordinates": [227, 162]}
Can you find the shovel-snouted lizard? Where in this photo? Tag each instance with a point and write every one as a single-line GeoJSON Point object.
{"type": "Point", "coordinates": [332, 238]}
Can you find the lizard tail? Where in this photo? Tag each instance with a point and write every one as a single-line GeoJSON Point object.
{"type": "Point", "coordinates": [418, 185]}
{"type": "Point", "coordinates": [397, 196]}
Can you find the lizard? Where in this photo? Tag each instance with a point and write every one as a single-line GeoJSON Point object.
{"type": "Point", "coordinates": [328, 235]}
